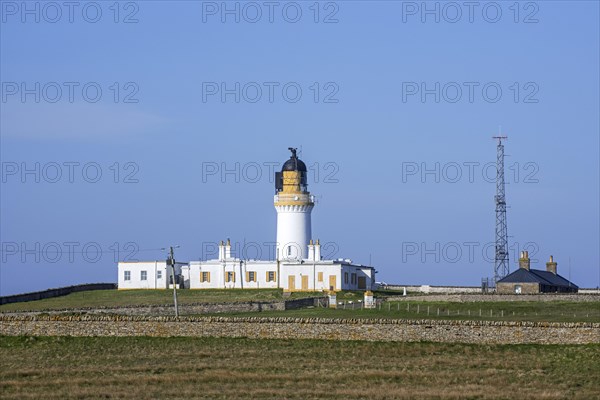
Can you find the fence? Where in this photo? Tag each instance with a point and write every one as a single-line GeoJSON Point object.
{"type": "Point", "coordinates": [46, 294]}
{"type": "Point", "coordinates": [515, 311]}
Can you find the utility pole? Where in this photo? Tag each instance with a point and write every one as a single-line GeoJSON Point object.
{"type": "Point", "coordinates": [501, 265]}
{"type": "Point", "coordinates": [241, 276]}
{"type": "Point", "coordinates": [171, 262]}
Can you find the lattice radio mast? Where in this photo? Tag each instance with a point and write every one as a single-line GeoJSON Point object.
{"type": "Point", "coordinates": [501, 266]}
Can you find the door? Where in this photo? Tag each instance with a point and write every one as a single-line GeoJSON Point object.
{"type": "Point", "coordinates": [291, 283]}
{"type": "Point", "coordinates": [304, 282]}
{"type": "Point", "coordinates": [332, 282]}
{"type": "Point", "coordinates": [362, 282]}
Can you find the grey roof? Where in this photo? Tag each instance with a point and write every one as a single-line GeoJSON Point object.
{"type": "Point", "coordinates": [556, 280]}
{"type": "Point", "coordinates": [294, 164]}
{"type": "Point", "coordinates": [536, 276]}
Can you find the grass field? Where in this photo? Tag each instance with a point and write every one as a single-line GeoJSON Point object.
{"type": "Point", "coordinates": [115, 298]}
{"type": "Point", "coordinates": [552, 311]}
{"type": "Point", "coordinates": [490, 311]}
{"type": "Point", "coordinates": [160, 368]}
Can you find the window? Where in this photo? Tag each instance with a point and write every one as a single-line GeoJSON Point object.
{"type": "Point", "coordinates": [204, 276]}
{"type": "Point", "coordinates": [143, 275]}
{"type": "Point", "coordinates": [127, 276]}
{"type": "Point", "coordinates": [353, 279]}
{"type": "Point", "coordinates": [230, 277]}
{"type": "Point", "coordinates": [518, 289]}
{"type": "Point", "coordinates": [345, 277]}
{"type": "Point", "coordinates": [289, 250]}
{"type": "Point", "coordinates": [158, 274]}
{"type": "Point", "coordinates": [271, 276]}
{"type": "Point", "coordinates": [320, 277]}
{"type": "Point", "coordinates": [250, 276]}
{"type": "Point", "coordinates": [362, 282]}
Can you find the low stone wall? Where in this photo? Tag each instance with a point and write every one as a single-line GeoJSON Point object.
{"type": "Point", "coordinates": [428, 289]}
{"type": "Point", "coordinates": [465, 298]}
{"type": "Point", "coordinates": [307, 302]}
{"type": "Point", "coordinates": [589, 291]}
{"type": "Point", "coordinates": [434, 289]}
{"type": "Point", "coordinates": [63, 291]}
{"type": "Point", "coordinates": [479, 332]}
{"type": "Point", "coordinates": [185, 309]}
{"type": "Point", "coordinates": [167, 309]}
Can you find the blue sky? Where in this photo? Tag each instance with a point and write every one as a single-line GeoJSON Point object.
{"type": "Point", "coordinates": [370, 133]}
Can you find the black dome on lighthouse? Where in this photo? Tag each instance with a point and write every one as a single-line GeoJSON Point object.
{"type": "Point", "coordinates": [294, 163]}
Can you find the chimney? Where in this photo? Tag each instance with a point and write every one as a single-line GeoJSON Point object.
{"type": "Point", "coordinates": [221, 251]}
{"type": "Point", "coordinates": [551, 265]}
{"type": "Point", "coordinates": [524, 260]}
{"type": "Point", "coordinates": [317, 251]}
{"type": "Point", "coordinates": [228, 249]}
{"type": "Point", "coordinates": [311, 251]}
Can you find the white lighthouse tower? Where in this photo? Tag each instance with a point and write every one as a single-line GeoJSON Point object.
{"type": "Point", "coordinates": [293, 203]}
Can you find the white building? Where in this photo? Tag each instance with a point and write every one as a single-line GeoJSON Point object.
{"type": "Point", "coordinates": [298, 265]}
{"type": "Point", "coordinates": [148, 275]}
{"type": "Point", "coordinates": [310, 274]}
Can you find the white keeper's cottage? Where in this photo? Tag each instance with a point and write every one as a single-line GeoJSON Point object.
{"type": "Point", "coordinates": [298, 265]}
{"type": "Point", "coordinates": [147, 274]}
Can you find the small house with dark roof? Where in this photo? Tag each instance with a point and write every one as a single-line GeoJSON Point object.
{"type": "Point", "coordinates": [532, 281]}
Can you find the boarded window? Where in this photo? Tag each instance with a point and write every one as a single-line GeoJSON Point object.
{"type": "Point", "coordinates": [320, 277]}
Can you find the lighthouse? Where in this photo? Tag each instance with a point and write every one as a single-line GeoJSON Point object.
{"type": "Point", "coordinates": [299, 265]}
{"type": "Point", "coordinates": [294, 204]}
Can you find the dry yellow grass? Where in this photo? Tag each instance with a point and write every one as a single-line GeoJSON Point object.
{"type": "Point", "coordinates": [184, 368]}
